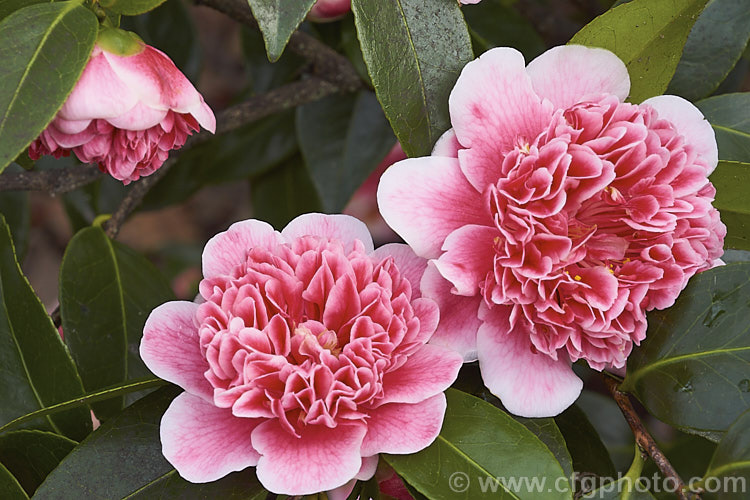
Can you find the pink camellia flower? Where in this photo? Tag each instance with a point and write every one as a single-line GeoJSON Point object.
{"type": "Point", "coordinates": [305, 355]}
{"type": "Point", "coordinates": [556, 215]}
{"type": "Point", "coordinates": [130, 107]}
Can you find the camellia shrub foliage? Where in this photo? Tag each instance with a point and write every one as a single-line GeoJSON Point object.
{"type": "Point", "coordinates": [497, 249]}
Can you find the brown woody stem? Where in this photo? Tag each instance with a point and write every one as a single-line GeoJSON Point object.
{"type": "Point", "coordinates": [642, 437]}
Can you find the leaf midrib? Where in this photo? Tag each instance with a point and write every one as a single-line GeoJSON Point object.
{"type": "Point", "coordinates": [634, 376]}
{"type": "Point", "coordinates": [34, 57]}
{"type": "Point", "coordinates": [121, 297]}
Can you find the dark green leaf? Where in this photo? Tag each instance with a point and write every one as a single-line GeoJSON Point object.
{"type": "Point", "coordinates": [284, 193]}
{"type": "Point", "coordinates": [130, 7]}
{"type": "Point", "coordinates": [548, 432]}
{"type": "Point", "coordinates": [614, 491]}
{"type": "Point", "coordinates": [712, 49]}
{"type": "Point", "coordinates": [693, 369]}
{"type": "Point", "coordinates": [277, 20]}
{"type": "Point", "coordinates": [35, 368]}
{"type": "Point", "coordinates": [730, 465]}
{"type": "Point", "coordinates": [494, 23]}
{"type": "Point", "coordinates": [15, 207]}
{"type": "Point", "coordinates": [350, 44]}
{"type": "Point", "coordinates": [648, 35]}
{"type": "Point", "coordinates": [414, 50]}
{"type": "Point", "coordinates": [31, 455]}
{"type": "Point", "coordinates": [9, 487]}
{"type": "Point", "coordinates": [103, 395]}
{"type": "Point", "coordinates": [45, 48]}
{"type": "Point", "coordinates": [170, 28]}
{"type": "Point", "coordinates": [589, 454]}
{"type": "Point", "coordinates": [731, 180]}
{"type": "Point", "coordinates": [486, 447]}
{"type": "Point", "coordinates": [122, 459]}
{"type": "Point", "coordinates": [263, 74]}
{"type": "Point", "coordinates": [730, 118]}
{"type": "Point", "coordinates": [7, 7]}
{"type": "Point", "coordinates": [342, 138]}
{"type": "Point", "coordinates": [106, 293]}
{"type": "Point", "coordinates": [605, 416]}
{"type": "Point", "coordinates": [248, 151]}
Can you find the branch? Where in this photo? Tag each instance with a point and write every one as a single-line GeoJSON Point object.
{"type": "Point", "coordinates": [643, 438]}
{"type": "Point", "coordinates": [54, 181]}
{"type": "Point", "coordinates": [327, 63]}
{"type": "Point", "coordinates": [255, 108]}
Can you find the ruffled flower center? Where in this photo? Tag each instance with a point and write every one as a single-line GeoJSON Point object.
{"type": "Point", "coordinates": [305, 332]}
{"type": "Point", "coordinates": [600, 217]}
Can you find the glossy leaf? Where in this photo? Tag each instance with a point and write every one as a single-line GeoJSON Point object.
{"type": "Point", "coordinates": [106, 293]}
{"type": "Point", "coordinates": [693, 369]}
{"type": "Point", "coordinates": [9, 487]}
{"type": "Point", "coordinates": [8, 7]}
{"type": "Point", "coordinates": [284, 193]}
{"type": "Point", "coordinates": [93, 397]}
{"type": "Point", "coordinates": [30, 455]}
{"type": "Point", "coordinates": [342, 138]}
{"type": "Point", "coordinates": [548, 432]}
{"type": "Point", "coordinates": [648, 35]}
{"type": "Point", "coordinates": [35, 368]}
{"type": "Point", "coordinates": [15, 206]}
{"type": "Point", "coordinates": [130, 7]}
{"type": "Point", "coordinates": [730, 464]}
{"type": "Point", "coordinates": [414, 50]}
{"type": "Point", "coordinates": [712, 49]}
{"type": "Point", "coordinates": [589, 454]}
{"type": "Point", "coordinates": [277, 20]}
{"type": "Point", "coordinates": [122, 459]}
{"type": "Point", "coordinates": [731, 180]}
{"type": "Point", "coordinates": [614, 491]}
{"type": "Point", "coordinates": [730, 119]}
{"type": "Point", "coordinates": [45, 48]}
{"type": "Point", "coordinates": [606, 418]}
{"type": "Point", "coordinates": [494, 23]}
{"type": "Point", "coordinates": [481, 444]}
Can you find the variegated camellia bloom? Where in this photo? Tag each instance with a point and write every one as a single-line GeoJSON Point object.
{"type": "Point", "coordinates": [555, 215]}
{"type": "Point", "coordinates": [130, 107]}
{"type": "Point", "coordinates": [305, 355]}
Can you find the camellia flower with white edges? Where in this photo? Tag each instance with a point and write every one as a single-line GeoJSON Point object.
{"type": "Point", "coordinates": [130, 107]}
{"type": "Point", "coordinates": [304, 355]}
{"type": "Point", "coordinates": [555, 215]}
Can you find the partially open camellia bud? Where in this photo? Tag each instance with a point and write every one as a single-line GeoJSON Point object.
{"type": "Point", "coordinates": [130, 107]}
{"type": "Point", "coordinates": [331, 10]}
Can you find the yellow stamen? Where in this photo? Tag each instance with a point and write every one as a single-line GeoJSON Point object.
{"type": "Point", "coordinates": [577, 277]}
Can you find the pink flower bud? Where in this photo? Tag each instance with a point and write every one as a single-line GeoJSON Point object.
{"type": "Point", "coordinates": [130, 107]}
{"type": "Point", "coordinates": [329, 10]}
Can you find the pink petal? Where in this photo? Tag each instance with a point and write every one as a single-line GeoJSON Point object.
{"type": "Point", "coordinates": [425, 199]}
{"type": "Point", "coordinates": [141, 117]}
{"type": "Point", "coordinates": [321, 459]}
{"type": "Point", "coordinates": [529, 384]}
{"type": "Point", "coordinates": [403, 428]}
{"type": "Point", "coordinates": [170, 348]}
{"type": "Point", "coordinates": [369, 466]}
{"type": "Point", "coordinates": [155, 79]}
{"type": "Point", "coordinates": [567, 74]}
{"type": "Point", "coordinates": [447, 145]}
{"type": "Point", "coordinates": [690, 123]}
{"type": "Point", "coordinates": [411, 267]}
{"type": "Point", "coordinates": [429, 316]}
{"type": "Point", "coordinates": [459, 323]}
{"type": "Point", "coordinates": [205, 443]}
{"type": "Point", "coordinates": [99, 93]}
{"type": "Point", "coordinates": [70, 126]}
{"type": "Point", "coordinates": [344, 228]}
{"type": "Point", "coordinates": [428, 371]}
{"type": "Point", "coordinates": [493, 109]}
{"type": "Point", "coordinates": [226, 250]}
{"type": "Point", "coordinates": [469, 256]}
{"type": "Point", "coordinates": [205, 117]}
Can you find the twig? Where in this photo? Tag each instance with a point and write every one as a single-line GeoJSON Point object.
{"type": "Point", "coordinates": [643, 438]}
{"type": "Point", "coordinates": [54, 181]}
{"type": "Point", "coordinates": [327, 63]}
{"type": "Point", "coordinates": [255, 108]}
